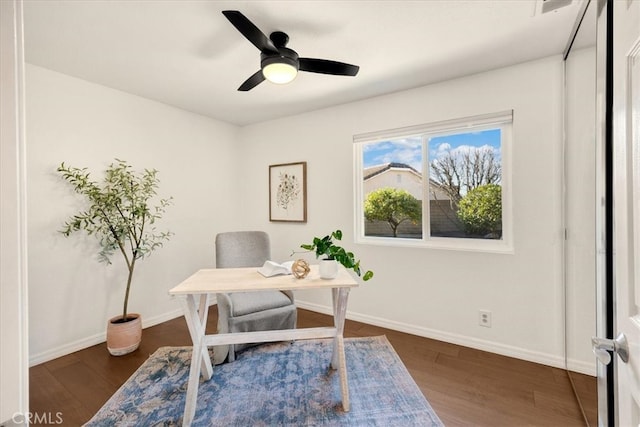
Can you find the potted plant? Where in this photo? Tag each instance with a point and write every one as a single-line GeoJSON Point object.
{"type": "Point", "coordinates": [333, 253]}
{"type": "Point", "coordinates": [118, 213]}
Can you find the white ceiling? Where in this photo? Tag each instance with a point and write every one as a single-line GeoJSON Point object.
{"type": "Point", "coordinates": [187, 54]}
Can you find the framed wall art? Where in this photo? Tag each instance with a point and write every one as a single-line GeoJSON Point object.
{"type": "Point", "coordinates": [288, 192]}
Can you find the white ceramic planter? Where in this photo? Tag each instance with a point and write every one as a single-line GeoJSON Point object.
{"type": "Point", "coordinates": [328, 268]}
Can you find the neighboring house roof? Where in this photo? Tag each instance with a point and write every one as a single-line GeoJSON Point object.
{"type": "Point", "coordinates": [372, 171]}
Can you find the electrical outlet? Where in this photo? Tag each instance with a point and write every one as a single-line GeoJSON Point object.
{"type": "Point", "coordinates": [484, 318]}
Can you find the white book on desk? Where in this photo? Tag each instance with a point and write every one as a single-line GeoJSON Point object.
{"type": "Point", "coordinates": [271, 268]}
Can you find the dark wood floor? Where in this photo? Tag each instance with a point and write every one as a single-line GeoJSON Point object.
{"type": "Point", "coordinates": [466, 387]}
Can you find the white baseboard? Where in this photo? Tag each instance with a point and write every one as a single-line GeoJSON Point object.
{"type": "Point", "coordinates": [81, 344]}
{"type": "Point", "coordinates": [582, 367]}
{"type": "Point", "coordinates": [505, 350]}
{"type": "Point", "coordinates": [155, 320]}
{"type": "Point", "coordinates": [492, 347]}
{"type": "Point", "coordinates": [69, 348]}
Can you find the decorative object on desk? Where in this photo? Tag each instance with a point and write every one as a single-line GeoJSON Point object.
{"type": "Point", "coordinates": [119, 213]}
{"type": "Point", "coordinates": [288, 192]}
{"type": "Point", "coordinates": [270, 268]}
{"type": "Point", "coordinates": [326, 248]}
{"type": "Point", "coordinates": [297, 389]}
{"type": "Point", "coordinates": [300, 269]}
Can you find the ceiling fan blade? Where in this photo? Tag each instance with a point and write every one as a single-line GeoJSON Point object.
{"type": "Point", "coordinates": [325, 66]}
{"type": "Point", "coordinates": [250, 31]}
{"type": "Point", "coordinates": [252, 81]}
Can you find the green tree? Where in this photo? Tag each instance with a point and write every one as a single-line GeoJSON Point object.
{"type": "Point", "coordinates": [392, 205]}
{"type": "Point", "coordinates": [480, 210]}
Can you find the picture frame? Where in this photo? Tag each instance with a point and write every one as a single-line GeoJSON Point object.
{"type": "Point", "coordinates": [288, 192]}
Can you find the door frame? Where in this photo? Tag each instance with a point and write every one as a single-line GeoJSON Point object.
{"type": "Point", "coordinates": [14, 352]}
{"type": "Point", "coordinates": [604, 205]}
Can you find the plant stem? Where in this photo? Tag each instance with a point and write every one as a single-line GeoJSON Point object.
{"type": "Point", "coordinates": [126, 293]}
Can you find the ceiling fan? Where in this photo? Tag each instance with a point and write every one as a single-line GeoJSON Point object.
{"type": "Point", "coordinates": [278, 63]}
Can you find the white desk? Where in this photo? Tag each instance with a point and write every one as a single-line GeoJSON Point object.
{"type": "Point", "coordinates": [196, 291]}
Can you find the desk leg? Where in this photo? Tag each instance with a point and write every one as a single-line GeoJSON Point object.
{"type": "Point", "coordinates": [199, 358]}
{"type": "Point", "coordinates": [203, 314]}
{"type": "Point", "coordinates": [338, 359]}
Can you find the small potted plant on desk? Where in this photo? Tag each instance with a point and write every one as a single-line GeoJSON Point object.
{"type": "Point", "coordinates": [333, 254]}
{"type": "Point", "coordinates": [119, 214]}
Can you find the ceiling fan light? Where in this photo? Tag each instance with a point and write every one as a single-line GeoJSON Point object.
{"type": "Point", "coordinates": [279, 72]}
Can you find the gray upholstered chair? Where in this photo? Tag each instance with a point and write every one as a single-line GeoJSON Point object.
{"type": "Point", "coordinates": [249, 311]}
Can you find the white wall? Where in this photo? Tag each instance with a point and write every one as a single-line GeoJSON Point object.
{"type": "Point", "coordinates": [72, 295]}
{"type": "Point", "coordinates": [580, 208]}
{"type": "Point", "coordinates": [435, 293]}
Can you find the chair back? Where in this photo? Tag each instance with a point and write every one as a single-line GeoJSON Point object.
{"type": "Point", "coordinates": [242, 249]}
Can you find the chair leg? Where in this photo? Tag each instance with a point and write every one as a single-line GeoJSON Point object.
{"type": "Point", "coordinates": [232, 353]}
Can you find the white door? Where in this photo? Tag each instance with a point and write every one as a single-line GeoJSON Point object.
{"type": "Point", "coordinates": [626, 204]}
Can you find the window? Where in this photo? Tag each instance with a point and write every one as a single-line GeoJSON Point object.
{"type": "Point", "coordinates": [443, 184]}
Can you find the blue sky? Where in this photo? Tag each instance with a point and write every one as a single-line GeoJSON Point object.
{"type": "Point", "coordinates": [409, 150]}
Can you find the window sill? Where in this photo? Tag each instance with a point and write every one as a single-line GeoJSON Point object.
{"type": "Point", "coordinates": [442, 243]}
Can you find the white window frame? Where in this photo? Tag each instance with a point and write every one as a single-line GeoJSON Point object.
{"type": "Point", "coordinates": [502, 120]}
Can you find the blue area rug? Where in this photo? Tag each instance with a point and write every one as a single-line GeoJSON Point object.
{"type": "Point", "coordinates": [279, 384]}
